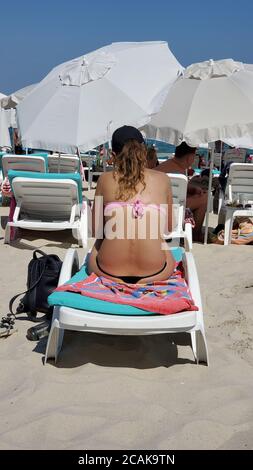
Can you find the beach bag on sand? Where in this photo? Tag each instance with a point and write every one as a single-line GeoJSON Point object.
{"type": "Point", "coordinates": [42, 278]}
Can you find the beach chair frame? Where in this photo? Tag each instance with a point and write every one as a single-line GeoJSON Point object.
{"type": "Point", "coordinates": [63, 163]}
{"type": "Point", "coordinates": [49, 204]}
{"type": "Point", "coordinates": [179, 193]}
{"type": "Point", "coordinates": [240, 180]}
{"type": "Point", "coordinates": [66, 318]}
{"type": "Point", "coordinates": [23, 162]}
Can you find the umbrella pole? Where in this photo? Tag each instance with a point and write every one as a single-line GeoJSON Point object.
{"type": "Point", "coordinates": [59, 162]}
{"type": "Point", "coordinates": [89, 175]}
{"type": "Point", "coordinates": [109, 137]}
{"type": "Point", "coordinates": [209, 191]}
{"type": "Point", "coordinates": [11, 133]}
{"type": "Point", "coordinates": [80, 163]}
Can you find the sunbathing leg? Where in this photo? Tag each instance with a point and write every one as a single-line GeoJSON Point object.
{"type": "Point", "coordinates": [198, 205]}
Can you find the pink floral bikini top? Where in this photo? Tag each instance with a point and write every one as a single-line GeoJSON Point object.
{"type": "Point", "coordinates": [138, 207]}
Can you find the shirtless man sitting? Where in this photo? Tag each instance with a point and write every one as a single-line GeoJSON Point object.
{"type": "Point", "coordinates": [196, 197]}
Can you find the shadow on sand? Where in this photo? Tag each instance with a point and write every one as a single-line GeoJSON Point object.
{"type": "Point", "coordinates": [137, 352]}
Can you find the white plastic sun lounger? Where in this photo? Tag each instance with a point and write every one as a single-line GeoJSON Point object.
{"type": "Point", "coordinates": [67, 318]}
{"type": "Point", "coordinates": [240, 182]}
{"type": "Point", "coordinates": [63, 163]}
{"type": "Point", "coordinates": [23, 163]}
{"type": "Point", "coordinates": [49, 202]}
{"type": "Point", "coordinates": [179, 191]}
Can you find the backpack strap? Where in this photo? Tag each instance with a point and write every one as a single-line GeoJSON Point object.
{"type": "Point", "coordinates": [7, 326]}
{"type": "Point", "coordinates": [40, 252]}
{"type": "Point", "coordinates": [30, 288]}
{"type": "Point", "coordinates": [8, 322]}
{"type": "Point", "coordinates": [25, 292]}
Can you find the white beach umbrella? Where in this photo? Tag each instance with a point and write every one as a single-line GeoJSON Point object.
{"type": "Point", "coordinates": [4, 129]}
{"type": "Point", "coordinates": [12, 100]}
{"type": "Point", "coordinates": [81, 102]}
{"type": "Point", "coordinates": [243, 141]}
{"type": "Point", "coordinates": [213, 100]}
{"type": "Point", "coordinates": [4, 126]}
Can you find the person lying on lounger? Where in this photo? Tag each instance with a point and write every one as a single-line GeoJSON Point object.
{"type": "Point", "coordinates": [136, 210]}
{"type": "Point", "coordinates": [196, 197]}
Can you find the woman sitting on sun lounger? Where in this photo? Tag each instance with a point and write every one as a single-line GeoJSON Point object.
{"type": "Point", "coordinates": [137, 210]}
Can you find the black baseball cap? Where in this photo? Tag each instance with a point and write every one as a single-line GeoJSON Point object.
{"type": "Point", "coordinates": [122, 135]}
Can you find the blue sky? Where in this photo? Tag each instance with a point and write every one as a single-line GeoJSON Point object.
{"type": "Point", "coordinates": [36, 36]}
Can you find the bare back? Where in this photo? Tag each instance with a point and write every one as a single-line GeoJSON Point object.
{"type": "Point", "coordinates": [170, 166]}
{"type": "Point", "coordinates": [133, 246]}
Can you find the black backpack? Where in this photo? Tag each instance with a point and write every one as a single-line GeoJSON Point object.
{"type": "Point", "coordinates": [42, 279]}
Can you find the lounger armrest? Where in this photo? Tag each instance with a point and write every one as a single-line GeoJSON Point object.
{"type": "Point", "coordinates": [188, 236]}
{"type": "Point", "coordinates": [192, 277]}
{"type": "Point", "coordinates": [70, 266]}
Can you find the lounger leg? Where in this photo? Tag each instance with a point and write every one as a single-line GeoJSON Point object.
{"type": "Point", "coordinates": [7, 234]}
{"type": "Point", "coordinates": [228, 228]}
{"type": "Point", "coordinates": [194, 344]}
{"type": "Point", "coordinates": [199, 346]}
{"type": "Point", "coordinates": [221, 201]}
{"type": "Point", "coordinates": [188, 238]}
{"type": "Point", "coordinates": [79, 237]}
{"type": "Point", "coordinates": [90, 180]}
{"type": "Point", "coordinates": [54, 342]}
{"type": "Point", "coordinates": [80, 242]}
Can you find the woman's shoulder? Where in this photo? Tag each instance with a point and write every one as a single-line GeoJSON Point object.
{"type": "Point", "coordinates": [106, 177]}
{"type": "Point", "coordinates": [106, 183]}
{"type": "Point", "coordinates": [158, 176]}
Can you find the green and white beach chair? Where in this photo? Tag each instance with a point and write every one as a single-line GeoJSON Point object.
{"type": "Point", "coordinates": [49, 202]}
{"type": "Point", "coordinates": [76, 312]}
{"type": "Point", "coordinates": [33, 163]}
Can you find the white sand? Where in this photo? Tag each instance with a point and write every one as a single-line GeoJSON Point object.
{"type": "Point", "coordinates": [132, 392]}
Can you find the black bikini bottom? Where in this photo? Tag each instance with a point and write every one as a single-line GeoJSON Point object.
{"type": "Point", "coordinates": [130, 279]}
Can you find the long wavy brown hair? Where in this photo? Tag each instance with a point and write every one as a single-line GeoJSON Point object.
{"type": "Point", "coordinates": [129, 166]}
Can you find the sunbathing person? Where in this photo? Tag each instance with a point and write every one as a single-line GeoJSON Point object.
{"type": "Point", "coordinates": [196, 197]}
{"type": "Point", "coordinates": [6, 188]}
{"type": "Point", "coordinates": [132, 195]}
{"type": "Point", "coordinates": [7, 192]}
{"type": "Point", "coordinates": [152, 160]}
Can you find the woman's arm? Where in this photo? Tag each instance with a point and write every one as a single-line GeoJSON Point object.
{"type": "Point", "coordinates": [98, 211]}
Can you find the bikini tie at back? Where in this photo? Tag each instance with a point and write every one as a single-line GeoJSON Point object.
{"type": "Point", "coordinates": [138, 209]}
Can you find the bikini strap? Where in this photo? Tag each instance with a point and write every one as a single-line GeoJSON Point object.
{"type": "Point", "coordinates": [138, 207]}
